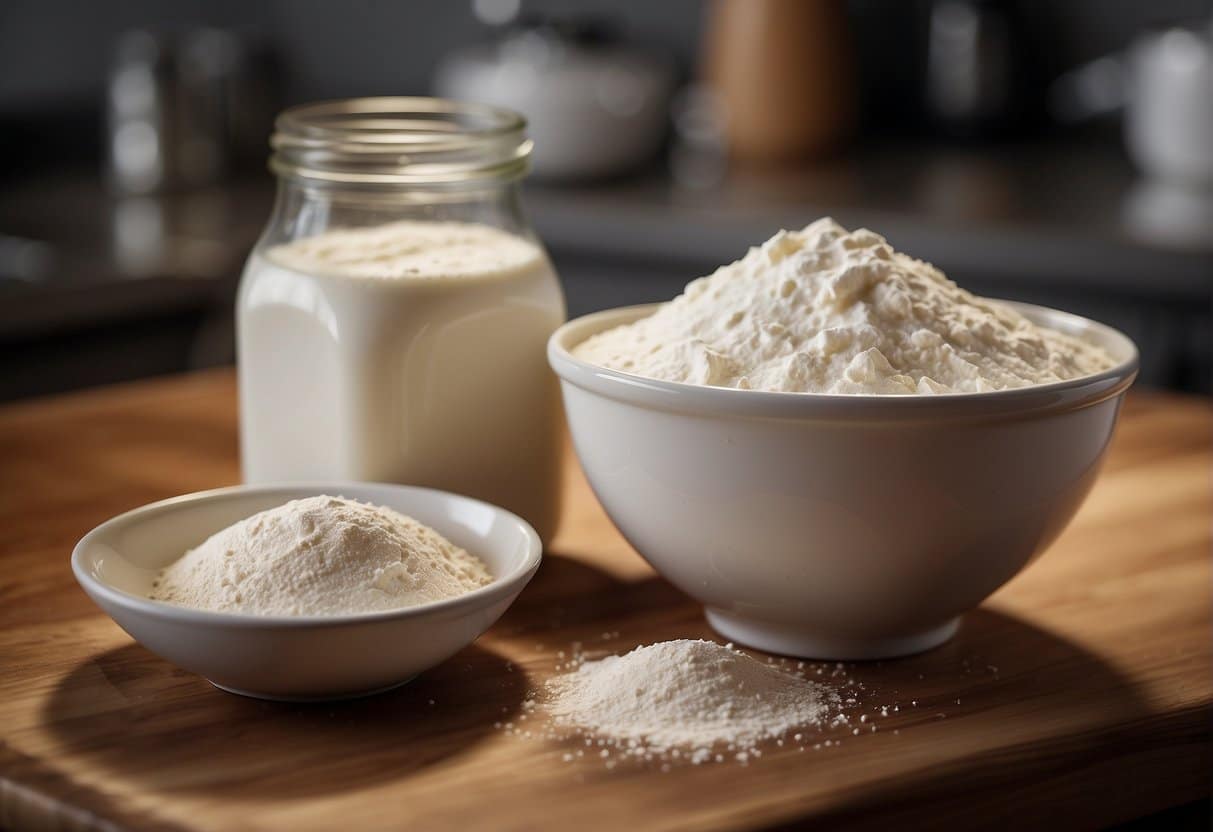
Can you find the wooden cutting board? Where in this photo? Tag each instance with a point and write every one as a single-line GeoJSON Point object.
{"type": "Point", "coordinates": [1080, 693]}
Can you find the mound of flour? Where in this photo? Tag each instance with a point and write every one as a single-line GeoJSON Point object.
{"type": "Point", "coordinates": [686, 694]}
{"type": "Point", "coordinates": [825, 310]}
{"type": "Point", "coordinates": [320, 556]}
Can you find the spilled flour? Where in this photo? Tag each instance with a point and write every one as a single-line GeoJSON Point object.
{"type": "Point", "coordinates": [693, 702]}
{"type": "Point", "coordinates": [686, 698]}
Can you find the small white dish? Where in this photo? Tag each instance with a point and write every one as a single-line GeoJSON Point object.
{"type": "Point", "coordinates": [300, 658]}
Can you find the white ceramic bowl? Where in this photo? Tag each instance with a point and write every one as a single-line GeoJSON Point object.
{"type": "Point", "coordinates": [837, 526]}
{"type": "Point", "coordinates": [300, 657]}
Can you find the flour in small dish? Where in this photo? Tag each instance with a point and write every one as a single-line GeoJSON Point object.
{"type": "Point", "coordinates": [321, 556]}
{"type": "Point", "coordinates": [826, 310]}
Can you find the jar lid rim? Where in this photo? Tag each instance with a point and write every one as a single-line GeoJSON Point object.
{"type": "Point", "coordinates": [399, 140]}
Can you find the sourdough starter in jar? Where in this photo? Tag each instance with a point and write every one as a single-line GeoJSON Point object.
{"type": "Point", "coordinates": [392, 320]}
{"type": "Point", "coordinates": [408, 352]}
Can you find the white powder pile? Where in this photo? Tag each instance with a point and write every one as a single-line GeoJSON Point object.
{"type": "Point", "coordinates": [320, 556]}
{"type": "Point", "coordinates": [686, 696]}
{"type": "Point", "coordinates": [824, 310]}
{"type": "Point", "coordinates": [410, 249]}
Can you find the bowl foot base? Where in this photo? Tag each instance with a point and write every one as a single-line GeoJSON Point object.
{"type": "Point", "coordinates": [337, 697]}
{"type": "Point", "coordinates": [791, 641]}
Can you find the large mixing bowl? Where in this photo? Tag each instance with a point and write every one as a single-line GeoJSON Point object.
{"type": "Point", "coordinates": [839, 526]}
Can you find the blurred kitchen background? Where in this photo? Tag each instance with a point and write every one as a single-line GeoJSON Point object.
{"type": "Point", "coordinates": [1055, 152]}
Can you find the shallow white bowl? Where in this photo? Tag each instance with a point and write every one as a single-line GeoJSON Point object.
{"type": "Point", "coordinates": [837, 526]}
{"type": "Point", "coordinates": [300, 657]}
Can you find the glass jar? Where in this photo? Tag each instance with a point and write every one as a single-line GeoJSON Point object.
{"type": "Point", "coordinates": [392, 320]}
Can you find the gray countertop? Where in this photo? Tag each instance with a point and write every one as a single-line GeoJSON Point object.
{"type": "Point", "coordinates": [1027, 214]}
{"type": "Point", "coordinates": [101, 258]}
{"type": "Point", "coordinates": [1068, 225]}
{"type": "Point", "coordinates": [1020, 214]}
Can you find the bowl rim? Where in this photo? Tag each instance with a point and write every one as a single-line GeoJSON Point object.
{"type": "Point", "coordinates": [703, 400]}
{"type": "Point", "coordinates": [501, 586]}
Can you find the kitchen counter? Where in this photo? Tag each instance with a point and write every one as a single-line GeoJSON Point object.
{"type": "Point", "coordinates": [1059, 223]}
{"type": "Point", "coordinates": [1039, 213]}
{"type": "Point", "coordinates": [144, 285]}
{"type": "Point", "coordinates": [1064, 212]}
{"type": "Point", "coordinates": [1079, 695]}
{"type": "Point", "coordinates": [96, 289]}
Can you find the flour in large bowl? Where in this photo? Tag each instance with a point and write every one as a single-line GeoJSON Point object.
{"type": "Point", "coordinates": [826, 310]}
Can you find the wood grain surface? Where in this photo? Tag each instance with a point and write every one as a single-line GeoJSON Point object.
{"type": "Point", "coordinates": [1080, 694]}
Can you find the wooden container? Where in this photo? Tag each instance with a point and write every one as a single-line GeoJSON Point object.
{"type": "Point", "coordinates": [783, 71]}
